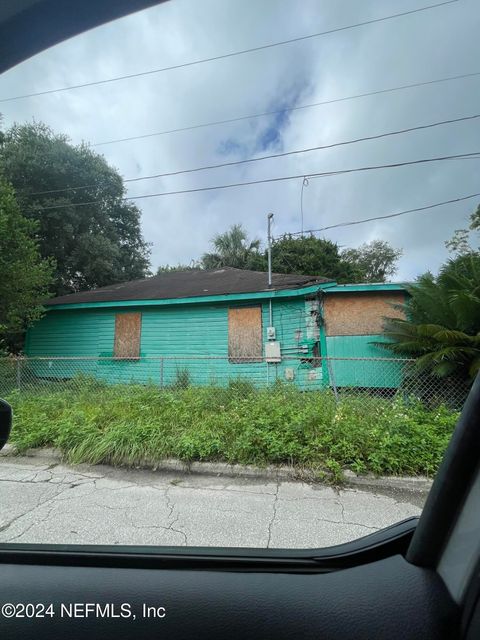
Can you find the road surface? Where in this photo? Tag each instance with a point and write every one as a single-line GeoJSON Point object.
{"type": "Point", "coordinates": [45, 502]}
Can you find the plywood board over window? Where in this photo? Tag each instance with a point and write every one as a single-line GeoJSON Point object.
{"type": "Point", "coordinates": [245, 334]}
{"type": "Point", "coordinates": [128, 328]}
{"type": "Point", "coordinates": [360, 314]}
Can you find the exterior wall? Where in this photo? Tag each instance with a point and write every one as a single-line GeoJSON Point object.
{"type": "Point", "coordinates": [348, 371]}
{"type": "Point", "coordinates": [360, 314]}
{"type": "Point", "coordinates": [190, 333]}
{"type": "Point", "coordinates": [353, 322]}
{"type": "Point", "coordinates": [175, 338]}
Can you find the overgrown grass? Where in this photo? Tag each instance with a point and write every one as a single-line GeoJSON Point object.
{"type": "Point", "coordinates": [134, 425]}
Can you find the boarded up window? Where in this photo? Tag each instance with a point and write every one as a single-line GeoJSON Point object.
{"type": "Point", "coordinates": [360, 314]}
{"type": "Point", "coordinates": [127, 335]}
{"type": "Point", "coordinates": [245, 334]}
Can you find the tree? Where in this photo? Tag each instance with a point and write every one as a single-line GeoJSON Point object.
{"type": "Point", "coordinates": [376, 261]}
{"type": "Point", "coordinates": [232, 249]}
{"type": "Point", "coordinates": [460, 243]}
{"type": "Point", "coordinates": [442, 329]}
{"type": "Point", "coordinates": [193, 266]}
{"type": "Point", "coordinates": [308, 255]}
{"type": "Point", "coordinates": [24, 276]}
{"type": "Point", "coordinates": [93, 244]}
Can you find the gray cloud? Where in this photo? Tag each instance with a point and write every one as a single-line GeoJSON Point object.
{"type": "Point", "coordinates": [425, 45]}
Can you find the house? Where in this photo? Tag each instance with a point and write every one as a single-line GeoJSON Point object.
{"type": "Point", "coordinates": [216, 325]}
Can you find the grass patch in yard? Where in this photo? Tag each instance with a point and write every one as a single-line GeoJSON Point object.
{"type": "Point", "coordinates": [133, 424]}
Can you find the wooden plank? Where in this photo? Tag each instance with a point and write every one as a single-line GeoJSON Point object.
{"type": "Point", "coordinates": [360, 314]}
{"type": "Point", "coordinates": [245, 334]}
{"type": "Point", "coordinates": [127, 335]}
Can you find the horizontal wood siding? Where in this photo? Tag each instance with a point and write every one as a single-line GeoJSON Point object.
{"type": "Point", "coordinates": [191, 333]}
{"type": "Point", "coordinates": [362, 373]}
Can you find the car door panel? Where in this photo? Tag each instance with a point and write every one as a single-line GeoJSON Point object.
{"type": "Point", "coordinates": [387, 599]}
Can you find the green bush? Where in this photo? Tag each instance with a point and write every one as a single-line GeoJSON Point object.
{"type": "Point", "coordinates": [134, 425]}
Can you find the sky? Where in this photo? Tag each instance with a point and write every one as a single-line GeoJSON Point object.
{"type": "Point", "coordinates": [415, 48]}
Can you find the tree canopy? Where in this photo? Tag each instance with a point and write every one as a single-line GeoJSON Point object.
{"type": "Point", "coordinates": [231, 249]}
{"type": "Point", "coordinates": [306, 255]}
{"type": "Point", "coordinates": [168, 268]}
{"type": "Point", "coordinates": [93, 244]}
{"type": "Point", "coordinates": [310, 256]}
{"type": "Point", "coordinates": [466, 240]}
{"type": "Point", "coordinates": [375, 261]}
{"type": "Point", "coordinates": [24, 276]}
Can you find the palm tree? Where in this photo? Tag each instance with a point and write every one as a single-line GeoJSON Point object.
{"type": "Point", "coordinates": [442, 325]}
{"type": "Point", "coordinates": [232, 249]}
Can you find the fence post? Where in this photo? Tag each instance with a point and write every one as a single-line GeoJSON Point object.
{"type": "Point", "coordinates": [161, 373]}
{"type": "Point", "coordinates": [332, 379]}
{"type": "Point", "coordinates": [19, 372]}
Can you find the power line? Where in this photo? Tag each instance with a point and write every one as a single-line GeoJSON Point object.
{"type": "Point", "coordinates": [272, 155]}
{"type": "Point", "coordinates": [289, 109]}
{"type": "Point", "coordinates": [228, 55]}
{"type": "Point", "coordinates": [390, 215]}
{"type": "Point", "coordinates": [309, 176]}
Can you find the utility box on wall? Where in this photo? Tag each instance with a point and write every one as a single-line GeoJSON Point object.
{"type": "Point", "coordinates": [272, 352]}
{"type": "Point", "coordinates": [271, 335]}
{"type": "Point", "coordinates": [289, 373]}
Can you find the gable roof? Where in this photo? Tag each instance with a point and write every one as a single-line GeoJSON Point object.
{"type": "Point", "coordinates": [186, 284]}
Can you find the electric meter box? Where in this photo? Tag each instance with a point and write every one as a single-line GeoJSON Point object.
{"type": "Point", "coordinates": [272, 352]}
{"type": "Point", "coordinates": [271, 333]}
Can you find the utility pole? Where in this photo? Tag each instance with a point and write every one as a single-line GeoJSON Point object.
{"type": "Point", "coordinates": [269, 247]}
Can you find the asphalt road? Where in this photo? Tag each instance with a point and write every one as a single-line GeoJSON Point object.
{"type": "Point", "coordinates": [42, 502]}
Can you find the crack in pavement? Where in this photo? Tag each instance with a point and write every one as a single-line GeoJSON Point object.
{"type": "Point", "coordinates": [31, 477]}
{"type": "Point", "coordinates": [168, 527]}
{"type": "Point", "coordinates": [65, 496]}
{"type": "Point", "coordinates": [171, 507]}
{"type": "Point", "coordinates": [32, 524]}
{"type": "Point", "coordinates": [38, 505]}
{"type": "Point", "coordinates": [180, 485]}
{"type": "Point", "coordinates": [274, 515]}
{"type": "Point", "coordinates": [356, 524]}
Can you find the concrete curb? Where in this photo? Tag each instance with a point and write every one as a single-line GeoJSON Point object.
{"type": "Point", "coordinates": [271, 472]}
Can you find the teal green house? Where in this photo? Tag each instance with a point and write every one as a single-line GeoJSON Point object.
{"type": "Point", "coordinates": [214, 326]}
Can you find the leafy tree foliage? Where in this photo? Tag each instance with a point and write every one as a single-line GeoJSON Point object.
{"type": "Point", "coordinates": [231, 249]}
{"type": "Point", "coordinates": [24, 276]}
{"type": "Point", "coordinates": [460, 243]}
{"type": "Point", "coordinates": [311, 256]}
{"type": "Point", "coordinates": [442, 329]}
{"type": "Point", "coordinates": [306, 255]}
{"type": "Point", "coordinates": [94, 244]}
{"type": "Point", "coordinates": [375, 261]}
{"type": "Point", "coordinates": [167, 268]}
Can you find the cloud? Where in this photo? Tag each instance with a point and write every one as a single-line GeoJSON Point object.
{"type": "Point", "coordinates": [419, 47]}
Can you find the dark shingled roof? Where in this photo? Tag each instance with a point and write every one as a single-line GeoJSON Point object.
{"type": "Point", "coordinates": [186, 284]}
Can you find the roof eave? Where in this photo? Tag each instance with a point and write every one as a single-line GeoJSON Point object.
{"type": "Point", "coordinates": [367, 287]}
{"type": "Point", "coordinates": [267, 294]}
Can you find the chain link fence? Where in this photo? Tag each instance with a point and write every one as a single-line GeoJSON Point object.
{"type": "Point", "coordinates": [340, 377]}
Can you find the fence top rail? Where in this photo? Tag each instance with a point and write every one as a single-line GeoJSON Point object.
{"type": "Point", "coordinates": [263, 359]}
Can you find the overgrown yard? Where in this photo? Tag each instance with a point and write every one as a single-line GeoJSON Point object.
{"type": "Point", "coordinates": [134, 425]}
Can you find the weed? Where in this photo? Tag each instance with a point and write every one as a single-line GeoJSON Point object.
{"type": "Point", "coordinates": [130, 424]}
